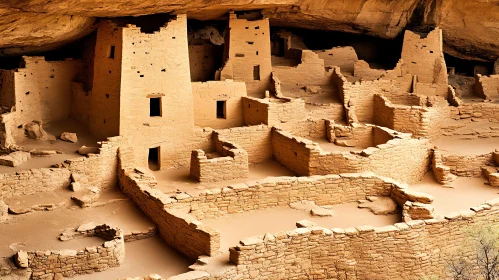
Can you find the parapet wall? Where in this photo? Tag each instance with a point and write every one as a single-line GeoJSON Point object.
{"type": "Point", "coordinates": [404, 159]}
{"type": "Point", "coordinates": [33, 181]}
{"type": "Point", "coordinates": [272, 111]}
{"type": "Point", "coordinates": [467, 165]}
{"type": "Point", "coordinates": [68, 263]}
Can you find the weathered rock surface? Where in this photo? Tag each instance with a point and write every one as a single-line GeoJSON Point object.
{"type": "Point", "coordinates": [21, 259]}
{"type": "Point", "coordinates": [34, 130]}
{"type": "Point", "coordinates": [4, 211]}
{"type": "Point", "coordinates": [470, 28]}
{"type": "Point", "coordinates": [69, 137]}
{"type": "Point", "coordinates": [15, 159]}
{"type": "Point", "coordinates": [84, 150]}
{"type": "Point", "coordinates": [379, 205]}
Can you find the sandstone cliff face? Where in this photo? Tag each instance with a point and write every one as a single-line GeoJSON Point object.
{"type": "Point", "coordinates": [471, 27]}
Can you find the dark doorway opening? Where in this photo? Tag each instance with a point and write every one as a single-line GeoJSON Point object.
{"type": "Point", "coordinates": [155, 106]}
{"type": "Point", "coordinates": [221, 109]}
{"type": "Point", "coordinates": [256, 72]}
{"type": "Point", "coordinates": [153, 159]}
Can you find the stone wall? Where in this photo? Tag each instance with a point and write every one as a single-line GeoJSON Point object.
{"type": "Point", "coordinates": [247, 48]}
{"type": "Point", "coordinates": [255, 140]}
{"type": "Point", "coordinates": [232, 163]}
{"type": "Point", "coordinates": [206, 95]}
{"type": "Point", "coordinates": [100, 169]}
{"type": "Point", "coordinates": [203, 61]}
{"type": "Point", "coordinates": [343, 57]}
{"type": "Point", "coordinates": [272, 111]}
{"type": "Point", "coordinates": [310, 71]}
{"type": "Point", "coordinates": [33, 181]}
{"type": "Point", "coordinates": [418, 248]}
{"type": "Point", "coordinates": [441, 172]}
{"type": "Point", "coordinates": [466, 165]}
{"type": "Point", "coordinates": [403, 158]}
{"type": "Point", "coordinates": [282, 191]}
{"type": "Point", "coordinates": [487, 87]}
{"type": "Point", "coordinates": [418, 120]}
{"type": "Point", "coordinates": [178, 229]}
{"type": "Point", "coordinates": [363, 71]}
{"type": "Point", "coordinates": [485, 110]}
{"type": "Point", "coordinates": [40, 90]}
{"type": "Point", "coordinates": [68, 263]}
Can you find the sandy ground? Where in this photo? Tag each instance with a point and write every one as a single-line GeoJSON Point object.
{"type": "Point", "coordinates": [331, 147]}
{"type": "Point", "coordinates": [170, 181]}
{"type": "Point", "coordinates": [467, 147]}
{"type": "Point", "coordinates": [68, 148]}
{"type": "Point", "coordinates": [466, 193]}
{"type": "Point", "coordinates": [18, 232]}
{"type": "Point", "coordinates": [144, 257]}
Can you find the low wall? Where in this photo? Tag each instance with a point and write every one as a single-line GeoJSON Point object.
{"type": "Point", "coordinates": [487, 87]}
{"type": "Point", "coordinates": [310, 71]}
{"type": "Point", "coordinates": [68, 263]}
{"type": "Point", "coordinates": [33, 181]}
{"type": "Point", "coordinates": [415, 249]}
{"type": "Point", "coordinates": [466, 165]}
{"type": "Point", "coordinates": [282, 191]}
{"type": "Point", "coordinates": [484, 110]}
{"type": "Point", "coordinates": [255, 140]}
{"type": "Point", "coordinates": [418, 120]}
{"type": "Point", "coordinates": [403, 158]}
{"type": "Point", "coordinates": [232, 164]}
{"type": "Point", "coordinates": [272, 111]}
{"type": "Point", "coordinates": [178, 229]}
{"type": "Point", "coordinates": [441, 172]}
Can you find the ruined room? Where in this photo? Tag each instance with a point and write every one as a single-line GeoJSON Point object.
{"type": "Point", "coordinates": [217, 140]}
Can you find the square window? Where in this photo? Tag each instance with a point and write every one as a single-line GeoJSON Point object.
{"type": "Point", "coordinates": [155, 106]}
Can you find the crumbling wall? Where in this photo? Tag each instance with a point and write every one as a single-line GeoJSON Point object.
{"type": "Point", "coordinates": [272, 111]}
{"type": "Point", "coordinates": [466, 165]}
{"type": "Point", "coordinates": [403, 158]}
{"type": "Point", "coordinates": [308, 128]}
{"type": "Point", "coordinates": [343, 57]}
{"type": "Point", "coordinates": [7, 88]}
{"type": "Point", "coordinates": [232, 163]}
{"type": "Point", "coordinates": [178, 229]}
{"type": "Point", "coordinates": [363, 71]}
{"type": "Point", "coordinates": [422, 56]}
{"type": "Point", "coordinates": [482, 110]}
{"type": "Point", "coordinates": [487, 87]}
{"type": "Point", "coordinates": [255, 140]}
{"type": "Point", "coordinates": [68, 263]}
{"type": "Point", "coordinates": [206, 95]}
{"type": "Point", "coordinates": [248, 48]}
{"type": "Point", "coordinates": [42, 91]}
{"type": "Point", "coordinates": [309, 72]}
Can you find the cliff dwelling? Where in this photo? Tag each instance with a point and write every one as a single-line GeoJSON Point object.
{"type": "Point", "coordinates": [210, 141]}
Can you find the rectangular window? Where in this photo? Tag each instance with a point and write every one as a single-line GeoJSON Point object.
{"type": "Point", "coordinates": [110, 53]}
{"type": "Point", "coordinates": [256, 72]}
{"type": "Point", "coordinates": [221, 109]}
{"type": "Point", "coordinates": [155, 106]}
{"type": "Point", "coordinates": [154, 159]}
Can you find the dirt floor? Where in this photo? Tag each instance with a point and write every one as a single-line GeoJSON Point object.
{"type": "Point", "coordinates": [18, 232]}
{"type": "Point", "coordinates": [173, 180]}
{"type": "Point", "coordinates": [69, 149]}
{"type": "Point", "coordinates": [464, 194]}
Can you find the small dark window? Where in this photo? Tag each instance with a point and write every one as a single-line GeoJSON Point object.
{"type": "Point", "coordinates": [256, 72]}
{"type": "Point", "coordinates": [27, 93]}
{"type": "Point", "coordinates": [155, 107]}
{"type": "Point", "coordinates": [256, 52]}
{"type": "Point", "coordinates": [107, 95]}
{"type": "Point", "coordinates": [221, 109]}
{"type": "Point", "coordinates": [110, 54]}
{"type": "Point", "coordinates": [257, 27]}
{"type": "Point", "coordinates": [153, 159]}
{"type": "Point", "coordinates": [250, 43]}
{"type": "Point", "coordinates": [431, 51]}
{"type": "Point", "coordinates": [239, 54]}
